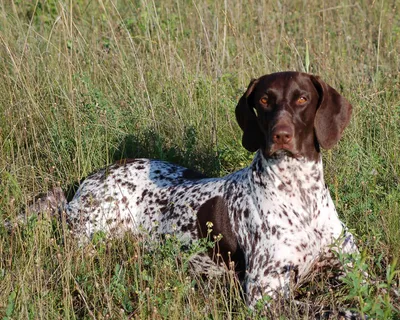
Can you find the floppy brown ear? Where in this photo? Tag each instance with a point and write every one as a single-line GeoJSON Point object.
{"type": "Point", "coordinates": [333, 114]}
{"type": "Point", "coordinates": [246, 117]}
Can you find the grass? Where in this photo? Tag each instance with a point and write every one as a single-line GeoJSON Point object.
{"type": "Point", "coordinates": [85, 82]}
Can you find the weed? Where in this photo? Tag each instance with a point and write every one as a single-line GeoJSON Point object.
{"type": "Point", "coordinates": [84, 83]}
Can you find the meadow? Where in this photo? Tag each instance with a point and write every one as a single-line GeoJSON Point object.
{"type": "Point", "coordinates": [84, 83]}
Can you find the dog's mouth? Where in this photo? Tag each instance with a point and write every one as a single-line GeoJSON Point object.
{"type": "Point", "coordinates": [280, 151]}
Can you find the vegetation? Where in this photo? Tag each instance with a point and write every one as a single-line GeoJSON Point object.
{"type": "Point", "coordinates": [83, 83]}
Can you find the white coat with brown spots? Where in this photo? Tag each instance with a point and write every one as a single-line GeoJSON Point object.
{"type": "Point", "coordinates": [276, 217]}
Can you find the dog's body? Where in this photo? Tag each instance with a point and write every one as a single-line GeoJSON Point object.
{"type": "Point", "coordinates": [275, 216]}
{"type": "Point", "coordinates": [272, 222]}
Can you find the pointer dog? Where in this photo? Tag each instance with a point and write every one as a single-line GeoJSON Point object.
{"type": "Point", "coordinates": [276, 217]}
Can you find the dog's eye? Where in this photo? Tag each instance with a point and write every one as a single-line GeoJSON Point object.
{"type": "Point", "coordinates": [264, 100]}
{"type": "Point", "coordinates": [301, 100]}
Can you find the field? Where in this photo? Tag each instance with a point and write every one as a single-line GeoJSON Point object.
{"type": "Point", "coordinates": [84, 83]}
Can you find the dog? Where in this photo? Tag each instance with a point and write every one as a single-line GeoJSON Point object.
{"type": "Point", "coordinates": [273, 222]}
{"type": "Point", "coordinates": [273, 219]}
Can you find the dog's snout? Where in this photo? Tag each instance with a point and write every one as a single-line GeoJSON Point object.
{"type": "Point", "coordinates": [282, 134]}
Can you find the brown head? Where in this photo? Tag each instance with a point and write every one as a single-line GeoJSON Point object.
{"type": "Point", "coordinates": [291, 113]}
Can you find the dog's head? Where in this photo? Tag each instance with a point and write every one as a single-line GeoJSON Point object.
{"type": "Point", "coordinates": [291, 113]}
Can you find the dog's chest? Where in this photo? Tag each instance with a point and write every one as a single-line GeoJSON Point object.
{"type": "Point", "coordinates": [294, 217]}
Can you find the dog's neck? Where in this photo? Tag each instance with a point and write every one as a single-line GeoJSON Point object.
{"type": "Point", "coordinates": [296, 180]}
{"type": "Point", "coordinates": [284, 169]}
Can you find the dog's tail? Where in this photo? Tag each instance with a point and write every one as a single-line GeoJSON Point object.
{"type": "Point", "coordinates": [51, 203]}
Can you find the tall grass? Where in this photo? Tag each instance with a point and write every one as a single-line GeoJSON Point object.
{"type": "Point", "coordinates": [85, 82]}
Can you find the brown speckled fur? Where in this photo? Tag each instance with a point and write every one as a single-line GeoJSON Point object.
{"type": "Point", "coordinates": [276, 216]}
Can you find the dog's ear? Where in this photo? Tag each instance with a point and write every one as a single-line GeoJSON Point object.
{"type": "Point", "coordinates": [333, 114]}
{"type": "Point", "coordinates": [247, 119]}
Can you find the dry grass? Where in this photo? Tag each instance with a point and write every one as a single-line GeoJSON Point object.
{"type": "Point", "coordinates": [86, 82]}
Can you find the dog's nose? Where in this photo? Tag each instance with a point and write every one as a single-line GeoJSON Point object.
{"type": "Point", "coordinates": [282, 134]}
